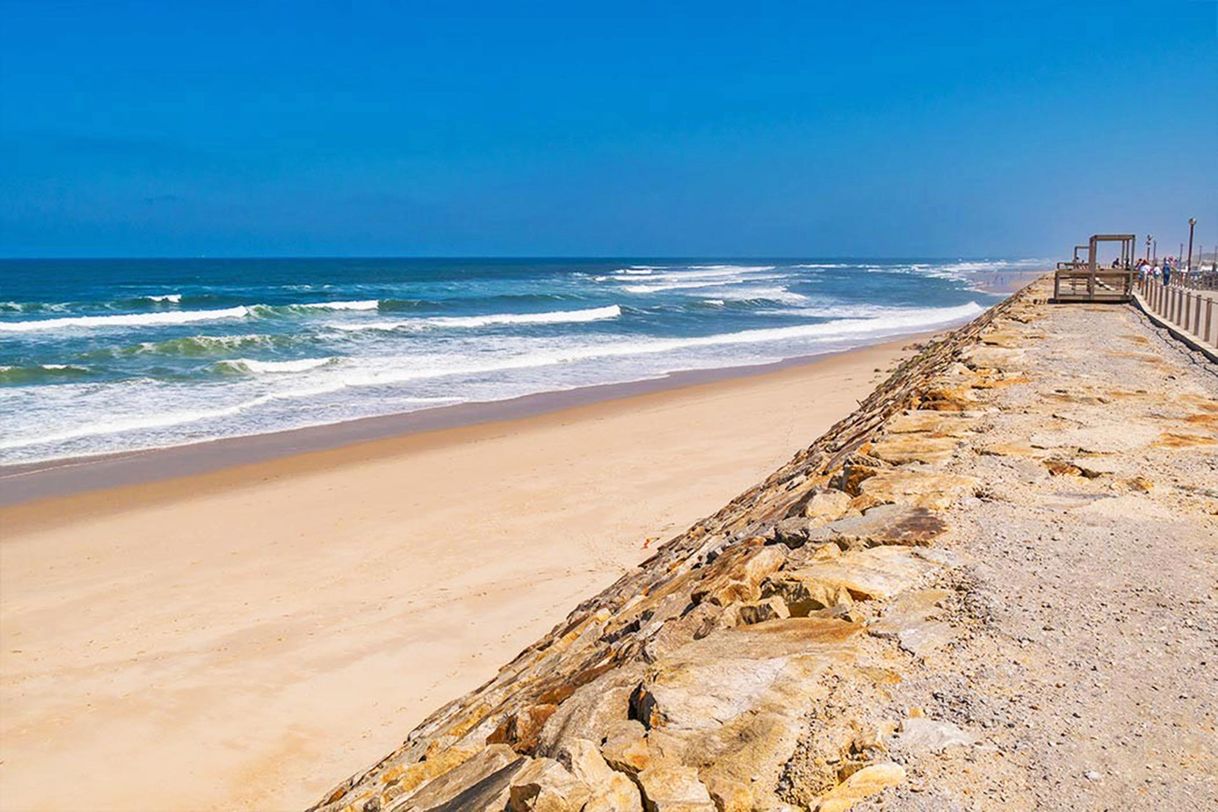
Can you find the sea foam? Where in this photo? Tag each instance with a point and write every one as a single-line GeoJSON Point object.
{"type": "Point", "coordinates": [124, 320]}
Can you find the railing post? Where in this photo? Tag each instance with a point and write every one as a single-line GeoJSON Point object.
{"type": "Point", "coordinates": [1197, 316]}
{"type": "Point", "coordinates": [1209, 318]}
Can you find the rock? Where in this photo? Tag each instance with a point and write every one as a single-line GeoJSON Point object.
{"type": "Point", "coordinates": [882, 525]}
{"type": "Point", "coordinates": [928, 735]}
{"type": "Point", "coordinates": [399, 781]}
{"type": "Point", "coordinates": [674, 788]}
{"type": "Point", "coordinates": [1175, 439]}
{"type": "Point", "coordinates": [827, 505]}
{"type": "Point", "coordinates": [899, 449]}
{"type": "Point", "coordinates": [611, 791]}
{"type": "Point", "coordinates": [1140, 483]}
{"type": "Point", "coordinates": [1062, 468]}
{"type": "Point", "coordinates": [736, 702]}
{"type": "Point", "coordinates": [995, 358]}
{"type": "Point", "coordinates": [803, 592]}
{"type": "Point", "coordinates": [867, 574]}
{"type": "Point", "coordinates": [478, 783]}
{"type": "Point", "coordinates": [626, 749]}
{"type": "Point", "coordinates": [918, 488]}
{"type": "Point", "coordinates": [772, 608]}
{"type": "Point", "coordinates": [522, 729]}
{"type": "Point", "coordinates": [908, 622]}
{"type": "Point", "coordinates": [591, 710]}
{"type": "Point", "coordinates": [736, 574]}
{"type": "Point", "coordinates": [948, 399]}
{"type": "Point", "coordinates": [863, 784]}
{"type": "Point", "coordinates": [544, 785]}
{"type": "Point", "coordinates": [936, 424]}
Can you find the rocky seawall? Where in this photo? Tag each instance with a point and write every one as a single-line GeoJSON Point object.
{"type": "Point", "coordinates": [851, 631]}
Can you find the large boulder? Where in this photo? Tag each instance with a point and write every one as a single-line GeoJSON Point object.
{"type": "Point", "coordinates": [674, 788]}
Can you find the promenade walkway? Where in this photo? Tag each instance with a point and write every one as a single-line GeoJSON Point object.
{"type": "Point", "coordinates": [1190, 313]}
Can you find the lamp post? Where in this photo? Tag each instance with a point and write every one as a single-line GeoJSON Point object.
{"type": "Point", "coordinates": [1148, 239]}
{"type": "Point", "coordinates": [1192, 223]}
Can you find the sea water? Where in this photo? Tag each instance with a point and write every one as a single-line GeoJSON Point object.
{"type": "Point", "coordinates": [102, 356]}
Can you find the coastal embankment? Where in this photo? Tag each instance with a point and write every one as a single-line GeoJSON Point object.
{"type": "Point", "coordinates": [991, 586]}
{"type": "Point", "coordinates": [227, 634]}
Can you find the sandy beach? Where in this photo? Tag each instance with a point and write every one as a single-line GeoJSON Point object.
{"type": "Point", "coordinates": [239, 638]}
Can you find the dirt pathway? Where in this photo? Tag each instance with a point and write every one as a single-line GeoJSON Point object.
{"type": "Point", "coordinates": [1089, 677]}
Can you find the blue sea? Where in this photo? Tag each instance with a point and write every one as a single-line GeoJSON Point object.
{"type": "Point", "coordinates": [101, 356]}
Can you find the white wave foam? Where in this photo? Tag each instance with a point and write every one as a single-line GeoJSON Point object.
{"type": "Point", "coordinates": [173, 298]}
{"type": "Point", "coordinates": [125, 320]}
{"type": "Point", "coordinates": [405, 369]}
{"type": "Point", "coordinates": [400, 370]}
{"type": "Point", "coordinates": [768, 294]}
{"type": "Point", "coordinates": [258, 367]}
{"type": "Point", "coordinates": [171, 419]}
{"type": "Point", "coordinates": [363, 304]}
{"type": "Point", "coordinates": [552, 317]}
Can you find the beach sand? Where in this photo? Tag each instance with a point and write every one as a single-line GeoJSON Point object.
{"type": "Point", "coordinates": [244, 637]}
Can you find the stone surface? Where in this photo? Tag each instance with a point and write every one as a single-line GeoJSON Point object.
{"type": "Point", "coordinates": [918, 488]}
{"type": "Point", "coordinates": [888, 524]}
{"type": "Point", "coordinates": [936, 424]}
{"type": "Point", "coordinates": [480, 782]}
{"type": "Point", "coordinates": [861, 785]}
{"type": "Point", "coordinates": [544, 785]}
{"type": "Point", "coordinates": [772, 608]}
{"type": "Point", "coordinates": [674, 788]}
{"type": "Point", "coordinates": [825, 506]}
{"type": "Point", "coordinates": [899, 449]}
{"type": "Point", "coordinates": [868, 574]}
{"type": "Point", "coordinates": [931, 736]}
{"type": "Point", "coordinates": [610, 790]}
{"type": "Point", "coordinates": [911, 621]}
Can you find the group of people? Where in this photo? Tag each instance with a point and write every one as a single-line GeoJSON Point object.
{"type": "Point", "coordinates": [1156, 270]}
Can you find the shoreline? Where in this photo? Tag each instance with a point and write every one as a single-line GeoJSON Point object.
{"type": "Point", "coordinates": [25, 483]}
{"type": "Point", "coordinates": [261, 628]}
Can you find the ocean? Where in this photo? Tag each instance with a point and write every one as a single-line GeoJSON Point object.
{"type": "Point", "coordinates": [101, 356]}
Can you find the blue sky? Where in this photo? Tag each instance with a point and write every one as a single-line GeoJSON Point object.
{"type": "Point", "coordinates": [615, 129]}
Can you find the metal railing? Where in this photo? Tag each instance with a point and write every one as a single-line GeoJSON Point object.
{"type": "Point", "coordinates": [1186, 308]}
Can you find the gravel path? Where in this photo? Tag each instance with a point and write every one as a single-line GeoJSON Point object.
{"type": "Point", "coordinates": [1087, 667]}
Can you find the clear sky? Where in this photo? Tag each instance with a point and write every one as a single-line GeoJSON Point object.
{"type": "Point", "coordinates": [577, 129]}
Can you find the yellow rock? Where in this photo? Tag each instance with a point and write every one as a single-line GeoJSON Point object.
{"type": "Point", "coordinates": [902, 448]}
{"type": "Point", "coordinates": [827, 505]}
{"type": "Point", "coordinates": [863, 784]}
{"type": "Point", "coordinates": [674, 788]}
{"type": "Point", "coordinates": [934, 491]}
{"type": "Point", "coordinates": [936, 424]}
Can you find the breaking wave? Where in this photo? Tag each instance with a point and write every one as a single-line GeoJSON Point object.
{"type": "Point", "coordinates": [40, 373]}
{"type": "Point", "coordinates": [552, 317]}
{"type": "Point", "coordinates": [251, 365]}
{"type": "Point", "coordinates": [125, 320]}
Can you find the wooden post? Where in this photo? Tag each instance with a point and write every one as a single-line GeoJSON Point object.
{"type": "Point", "coordinates": [1197, 316]}
{"type": "Point", "coordinates": [1209, 318]}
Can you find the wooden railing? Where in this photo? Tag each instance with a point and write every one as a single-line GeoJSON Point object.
{"type": "Point", "coordinates": [1187, 310]}
{"type": "Point", "coordinates": [1083, 285]}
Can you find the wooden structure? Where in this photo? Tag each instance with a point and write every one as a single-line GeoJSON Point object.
{"type": "Point", "coordinates": [1076, 282]}
{"type": "Point", "coordinates": [1074, 262]}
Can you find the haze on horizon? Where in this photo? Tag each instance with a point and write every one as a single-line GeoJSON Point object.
{"type": "Point", "coordinates": [362, 128]}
